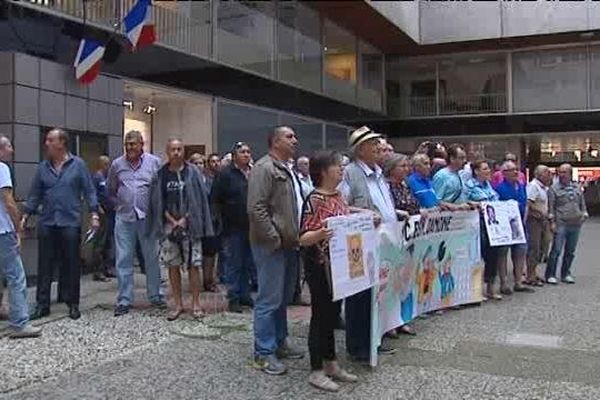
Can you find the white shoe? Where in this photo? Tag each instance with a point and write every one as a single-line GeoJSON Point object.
{"type": "Point", "coordinates": [552, 280]}
{"type": "Point", "coordinates": [568, 279]}
{"type": "Point", "coordinates": [334, 371]}
{"type": "Point", "coordinates": [321, 381]}
{"type": "Point", "coordinates": [28, 331]}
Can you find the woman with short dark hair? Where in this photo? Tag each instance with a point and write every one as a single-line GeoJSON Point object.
{"type": "Point", "coordinates": [324, 202]}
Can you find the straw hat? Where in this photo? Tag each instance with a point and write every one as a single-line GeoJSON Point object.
{"type": "Point", "coordinates": [361, 135]}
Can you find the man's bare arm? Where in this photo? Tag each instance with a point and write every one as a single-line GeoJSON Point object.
{"type": "Point", "coordinates": [11, 207]}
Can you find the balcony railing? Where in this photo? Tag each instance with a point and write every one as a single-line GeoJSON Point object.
{"type": "Point", "coordinates": [449, 105]}
{"type": "Point", "coordinates": [174, 28]}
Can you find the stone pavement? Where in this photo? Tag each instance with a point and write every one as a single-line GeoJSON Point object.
{"type": "Point", "coordinates": [529, 346]}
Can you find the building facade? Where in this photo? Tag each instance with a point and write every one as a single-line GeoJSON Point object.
{"type": "Point", "coordinates": [496, 76]}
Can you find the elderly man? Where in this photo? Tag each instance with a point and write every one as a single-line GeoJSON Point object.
{"type": "Point", "coordinates": [179, 216]}
{"type": "Point", "coordinates": [364, 187]}
{"type": "Point", "coordinates": [498, 176]}
{"type": "Point", "coordinates": [512, 188]}
{"type": "Point", "coordinates": [537, 221]}
{"type": "Point", "coordinates": [129, 180]}
{"type": "Point", "coordinates": [274, 210]}
{"type": "Point", "coordinates": [11, 265]}
{"type": "Point", "coordinates": [61, 181]}
{"type": "Point", "coordinates": [302, 168]}
{"type": "Point", "coordinates": [566, 212]}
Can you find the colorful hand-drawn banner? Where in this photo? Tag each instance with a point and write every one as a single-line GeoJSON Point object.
{"type": "Point", "coordinates": [352, 251]}
{"type": "Point", "coordinates": [425, 264]}
{"type": "Point", "coordinates": [503, 223]}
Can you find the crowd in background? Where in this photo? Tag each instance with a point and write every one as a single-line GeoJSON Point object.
{"type": "Point", "coordinates": [259, 228]}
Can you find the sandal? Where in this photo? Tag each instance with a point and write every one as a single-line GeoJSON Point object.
{"type": "Point", "coordinates": [173, 315]}
{"type": "Point", "coordinates": [198, 313]}
{"type": "Point", "coordinates": [211, 287]}
{"type": "Point", "coordinates": [406, 330]}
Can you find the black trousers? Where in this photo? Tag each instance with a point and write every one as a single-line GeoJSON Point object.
{"type": "Point", "coordinates": [358, 324]}
{"type": "Point", "coordinates": [321, 338]}
{"type": "Point", "coordinates": [491, 257]}
{"type": "Point", "coordinates": [58, 246]}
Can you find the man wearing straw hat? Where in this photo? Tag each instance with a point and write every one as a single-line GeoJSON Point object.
{"type": "Point", "coordinates": [364, 186]}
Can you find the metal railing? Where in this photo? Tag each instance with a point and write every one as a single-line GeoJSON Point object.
{"type": "Point", "coordinates": [427, 106]}
{"type": "Point", "coordinates": [174, 28]}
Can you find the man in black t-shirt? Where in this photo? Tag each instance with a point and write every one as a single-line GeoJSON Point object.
{"type": "Point", "coordinates": [179, 215]}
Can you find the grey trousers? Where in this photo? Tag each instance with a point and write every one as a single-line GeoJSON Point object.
{"type": "Point", "coordinates": [537, 231]}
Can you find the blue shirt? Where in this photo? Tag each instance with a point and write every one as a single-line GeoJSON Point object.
{"type": "Point", "coordinates": [60, 193]}
{"type": "Point", "coordinates": [102, 190]}
{"type": "Point", "coordinates": [513, 191]}
{"type": "Point", "coordinates": [448, 186]}
{"type": "Point", "coordinates": [422, 189]}
{"type": "Point", "coordinates": [480, 191]}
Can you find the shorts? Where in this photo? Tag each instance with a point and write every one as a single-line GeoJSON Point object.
{"type": "Point", "coordinates": [516, 250]}
{"type": "Point", "coordinates": [186, 255]}
{"type": "Point", "coordinates": [210, 246]}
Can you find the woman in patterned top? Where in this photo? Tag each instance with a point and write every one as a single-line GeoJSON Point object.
{"type": "Point", "coordinates": [479, 189]}
{"type": "Point", "coordinates": [324, 202]}
{"type": "Point", "coordinates": [396, 169]}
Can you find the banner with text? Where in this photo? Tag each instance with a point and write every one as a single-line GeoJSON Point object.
{"type": "Point", "coordinates": [352, 252]}
{"type": "Point", "coordinates": [425, 264]}
{"type": "Point", "coordinates": [503, 223]}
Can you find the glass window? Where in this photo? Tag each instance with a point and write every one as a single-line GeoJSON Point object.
{"type": "Point", "coordinates": [299, 45]}
{"type": "Point", "coordinates": [246, 34]}
{"type": "Point", "coordinates": [550, 80]}
{"type": "Point", "coordinates": [309, 134]}
{"type": "Point", "coordinates": [473, 84]}
{"type": "Point", "coordinates": [410, 85]}
{"type": "Point", "coordinates": [336, 138]}
{"type": "Point", "coordinates": [340, 62]}
{"type": "Point", "coordinates": [243, 123]}
{"type": "Point", "coordinates": [371, 77]}
{"type": "Point", "coordinates": [595, 77]}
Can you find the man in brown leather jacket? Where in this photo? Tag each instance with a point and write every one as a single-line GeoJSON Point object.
{"type": "Point", "coordinates": [274, 207]}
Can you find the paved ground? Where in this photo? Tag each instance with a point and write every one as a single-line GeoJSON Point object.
{"type": "Point", "coordinates": [540, 346]}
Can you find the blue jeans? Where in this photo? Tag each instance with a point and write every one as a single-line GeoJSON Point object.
{"type": "Point", "coordinates": [11, 267]}
{"type": "Point", "coordinates": [126, 235]}
{"type": "Point", "coordinates": [276, 272]}
{"type": "Point", "coordinates": [239, 260]}
{"type": "Point", "coordinates": [566, 236]}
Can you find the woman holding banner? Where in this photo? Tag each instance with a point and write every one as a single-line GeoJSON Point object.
{"type": "Point", "coordinates": [322, 203]}
{"type": "Point", "coordinates": [479, 189]}
{"type": "Point", "coordinates": [396, 170]}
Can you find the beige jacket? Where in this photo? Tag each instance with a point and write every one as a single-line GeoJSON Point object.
{"type": "Point", "coordinates": [272, 207]}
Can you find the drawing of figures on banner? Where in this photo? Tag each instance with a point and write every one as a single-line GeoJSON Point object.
{"type": "Point", "coordinates": [352, 252]}
{"type": "Point", "coordinates": [503, 223]}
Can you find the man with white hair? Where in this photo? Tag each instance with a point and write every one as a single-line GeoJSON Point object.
{"type": "Point", "coordinates": [537, 221]}
{"type": "Point", "coordinates": [567, 212]}
{"type": "Point", "coordinates": [364, 187]}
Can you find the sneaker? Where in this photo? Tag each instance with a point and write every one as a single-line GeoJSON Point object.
{"type": "Point", "coordinates": [568, 279]}
{"type": "Point", "coordinates": [28, 331]}
{"type": "Point", "coordinates": [121, 310]}
{"type": "Point", "coordinates": [552, 280]}
{"type": "Point", "coordinates": [160, 304]}
{"type": "Point", "coordinates": [321, 381]}
{"type": "Point", "coordinates": [269, 365]}
{"type": "Point", "coordinates": [288, 352]}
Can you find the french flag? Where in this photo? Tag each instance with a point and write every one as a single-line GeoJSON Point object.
{"type": "Point", "coordinates": [138, 25]}
{"type": "Point", "coordinates": [88, 60]}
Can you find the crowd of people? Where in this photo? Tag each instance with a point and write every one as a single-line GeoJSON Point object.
{"type": "Point", "coordinates": [264, 225]}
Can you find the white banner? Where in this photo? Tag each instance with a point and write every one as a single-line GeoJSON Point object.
{"type": "Point", "coordinates": [352, 252]}
{"type": "Point", "coordinates": [503, 223]}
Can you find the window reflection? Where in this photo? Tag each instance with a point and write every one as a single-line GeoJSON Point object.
{"type": "Point", "coordinates": [340, 62]}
